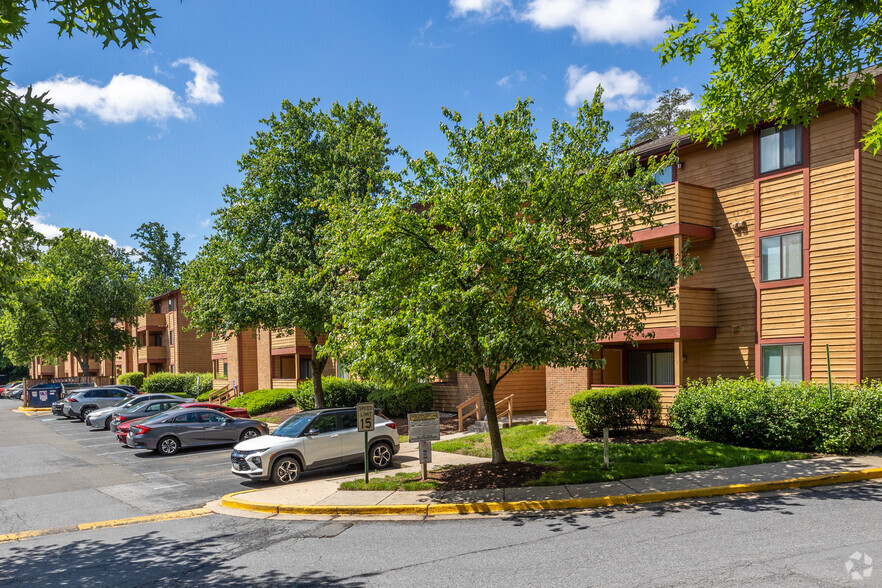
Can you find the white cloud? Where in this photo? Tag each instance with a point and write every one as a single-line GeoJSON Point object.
{"type": "Point", "coordinates": [51, 231]}
{"type": "Point", "coordinates": [421, 40]}
{"type": "Point", "coordinates": [516, 76]}
{"type": "Point", "coordinates": [480, 7]}
{"type": "Point", "coordinates": [125, 99]}
{"type": "Point", "coordinates": [205, 222]}
{"type": "Point", "coordinates": [622, 90]}
{"type": "Point", "coordinates": [203, 88]}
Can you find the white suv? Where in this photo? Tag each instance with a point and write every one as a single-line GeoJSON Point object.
{"type": "Point", "coordinates": [314, 439]}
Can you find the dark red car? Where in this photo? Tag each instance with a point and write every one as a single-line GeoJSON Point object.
{"type": "Point", "coordinates": [122, 430]}
{"type": "Point", "coordinates": [239, 413]}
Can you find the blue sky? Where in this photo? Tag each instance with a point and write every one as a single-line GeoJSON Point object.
{"type": "Point", "coordinates": [154, 134]}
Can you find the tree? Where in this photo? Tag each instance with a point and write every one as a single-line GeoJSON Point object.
{"type": "Point", "coordinates": [506, 253]}
{"type": "Point", "coordinates": [26, 169]}
{"type": "Point", "coordinates": [164, 260]}
{"type": "Point", "coordinates": [264, 267]}
{"type": "Point", "coordinates": [779, 60]}
{"type": "Point", "coordinates": [79, 294]}
{"type": "Point", "coordinates": [665, 119]}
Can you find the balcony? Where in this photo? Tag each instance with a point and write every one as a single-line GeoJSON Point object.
{"type": "Point", "coordinates": [152, 354]}
{"type": "Point", "coordinates": [689, 213]}
{"type": "Point", "coordinates": [151, 322]}
{"type": "Point", "coordinates": [695, 317]}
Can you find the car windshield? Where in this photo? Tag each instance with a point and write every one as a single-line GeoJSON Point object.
{"type": "Point", "coordinates": [124, 402]}
{"type": "Point", "coordinates": [293, 426]}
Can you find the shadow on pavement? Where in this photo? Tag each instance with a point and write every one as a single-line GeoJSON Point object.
{"type": "Point", "coordinates": [150, 560]}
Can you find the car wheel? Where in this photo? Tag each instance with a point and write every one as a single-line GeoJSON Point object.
{"type": "Point", "coordinates": [85, 413]}
{"type": "Point", "coordinates": [249, 434]}
{"type": "Point", "coordinates": [107, 423]}
{"type": "Point", "coordinates": [286, 470]}
{"type": "Point", "coordinates": [168, 446]}
{"type": "Point", "coordinates": [381, 455]}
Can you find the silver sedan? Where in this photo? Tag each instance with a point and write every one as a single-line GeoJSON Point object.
{"type": "Point", "coordinates": [191, 427]}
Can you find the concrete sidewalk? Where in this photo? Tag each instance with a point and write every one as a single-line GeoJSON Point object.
{"type": "Point", "coordinates": [316, 495]}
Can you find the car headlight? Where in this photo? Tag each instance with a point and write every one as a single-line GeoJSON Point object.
{"type": "Point", "coordinates": [257, 461]}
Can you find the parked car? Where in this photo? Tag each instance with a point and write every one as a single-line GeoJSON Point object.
{"type": "Point", "coordinates": [131, 389]}
{"type": "Point", "coordinates": [314, 439]}
{"type": "Point", "coordinates": [239, 413]}
{"type": "Point", "coordinates": [10, 388]}
{"type": "Point", "coordinates": [82, 402]}
{"type": "Point", "coordinates": [101, 418]}
{"type": "Point", "coordinates": [144, 409]}
{"type": "Point", "coordinates": [191, 427]}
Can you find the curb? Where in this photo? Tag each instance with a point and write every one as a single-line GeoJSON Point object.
{"type": "Point", "coordinates": [233, 501]}
{"type": "Point", "coordinates": [27, 410]}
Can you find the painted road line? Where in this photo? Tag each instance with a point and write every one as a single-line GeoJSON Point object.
{"type": "Point", "coordinates": [167, 516]}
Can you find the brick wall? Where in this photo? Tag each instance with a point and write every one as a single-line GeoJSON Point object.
{"type": "Point", "coordinates": [560, 385]}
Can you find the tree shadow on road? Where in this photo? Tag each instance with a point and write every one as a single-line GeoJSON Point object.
{"type": "Point", "coordinates": [150, 559]}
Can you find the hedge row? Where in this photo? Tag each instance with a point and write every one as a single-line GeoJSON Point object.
{"type": "Point", "coordinates": [261, 401]}
{"type": "Point", "coordinates": [393, 402]}
{"type": "Point", "coordinates": [189, 384]}
{"type": "Point", "coordinates": [135, 379]}
{"type": "Point", "coordinates": [797, 417]}
{"type": "Point", "coordinates": [618, 409]}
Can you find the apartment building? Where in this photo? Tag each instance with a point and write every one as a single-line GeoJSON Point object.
{"type": "Point", "coordinates": [166, 345]}
{"type": "Point", "coordinates": [262, 359]}
{"type": "Point", "coordinates": [68, 367]}
{"type": "Point", "coordinates": [787, 226]}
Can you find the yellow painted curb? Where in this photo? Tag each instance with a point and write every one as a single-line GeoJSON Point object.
{"type": "Point", "coordinates": [167, 516]}
{"type": "Point", "coordinates": [29, 410]}
{"type": "Point", "coordinates": [232, 500]}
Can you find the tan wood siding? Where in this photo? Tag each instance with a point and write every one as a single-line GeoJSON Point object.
{"type": "Point", "coordinates": [871, 246]}
{"type": "Point", "coordinates": [783, 312]}
{"type": "Point", "coordinates": [781, 202]}
{"type": "Point", "coordinates": [695, 204]}
{"type": "Point", "coordinates": [219, 347]}
{"type": "Point", "coordinates": [528, 387]}
{"type": "Point", "coordinates": [697, 307]}
{"type": "Point", "coordinates": [832, 245]}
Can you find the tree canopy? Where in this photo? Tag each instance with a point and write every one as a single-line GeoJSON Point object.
{"type": "Point", "coordinates": [779, 60]}
{"type": "Point", "coordinates": [505, 253]}
{"type": "Point", "coordinates": [671, 110]}
{"type": "Point", "coordinates": [162, 260]}
{"type": "Point", "coordinates": [264, 266]}
{"type": "Point", "coordinates": [76, 299]}
{"type": "Point", "coordinates": [27, 170]}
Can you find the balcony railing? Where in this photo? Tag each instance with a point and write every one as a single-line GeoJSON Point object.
{"type": "Point", "coordinates": [152, 354]}
{"type": "Point", "coordinates": [694, 317]}
{"type": "Point", "coordinates": [151, 322]}
{"type": "Point", "coordinates": [686, 204]}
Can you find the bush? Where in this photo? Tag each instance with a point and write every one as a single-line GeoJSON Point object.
{"type": "Point", "coordinates": [337, 392]}
{"type": "Point", "coordinates": [398, 402]}
{"type": "Point", "coordinates": [135, 379]}
{"type": "Point", "coordinates": [261, 401]}
{"type": "Point", "coordinates": [184, 385]}
{"type": "Point", "coordinates": [618, 409]}
{"type": "Point", "coordinates": [798, 417]}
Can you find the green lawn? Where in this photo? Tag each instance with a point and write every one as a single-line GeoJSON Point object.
{"type": "Point", "coordinates": [583, 462]}
{"type": "Point", "coordinates": [396, 482]}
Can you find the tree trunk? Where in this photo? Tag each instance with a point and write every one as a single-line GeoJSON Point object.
{"type": "Point", "coordinates": [488, 388]}
{"type": "Point", "coordinates": [318, 366]}
{"type": "Point", "coordinates": [84, 364]}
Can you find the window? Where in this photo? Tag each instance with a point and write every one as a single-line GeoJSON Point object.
{"type": "Point", "coordinates": [190, 417]}
{"type": "Point", "coordinates": [348, 420]}
{"type": "Point", "coordinates": [781, 257]}
{"type": "Point", "coordinates": [782, 363]}
{"type": "Point", "coordinates": [654, 368]}
{"type": "Point", "coordinates": [171, 368]}
{"type": "Point", "coordinates": [780, 148]}
{"type": "Point", "coordinates": [305, 368]}
{"type": "Point", "coordinates": [342, 372]}
{"type": "Point", "coordinates": [226, 370]}
{"type": "Point", "coordinates": [171, 337]}
{"type": "Point", "coordinates": [171, 304]}
{"type": "Point", "coordinates": [665, 175]}
{"type": "Point", "coordinates": [157, 307]}
{"type": "Point", "coordinates": [324, 424]}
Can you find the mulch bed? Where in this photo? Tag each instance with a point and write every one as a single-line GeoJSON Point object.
{"type": "Point", "coordinates": [482, 476]}
{"type": "Point", "coordinates": [280, 414]}
{"type": "Point", "coordinates": [570, 435]}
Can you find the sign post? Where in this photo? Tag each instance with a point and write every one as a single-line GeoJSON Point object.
{"type": "Point", "coordinates": [423, 428]}
{"type": "Point", "coordinates": [365, 415]}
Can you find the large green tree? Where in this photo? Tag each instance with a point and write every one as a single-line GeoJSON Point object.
{"type": "Point", "coordinates": [162, 260]}
{"type": "Point", "coordinates": [670, 111]}
{"type": "Point", "coordinates": [75, 300]}
{"type": "Point", "coordinates": [264, 267]}
{"type": "Point", "coordinates": [27, 170]}
{"type": "Point", "coordinates": [779, 60]}
{"type": "Point", "coordinates": [504, 253]}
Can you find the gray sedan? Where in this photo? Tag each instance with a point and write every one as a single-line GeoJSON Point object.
{"type": "Point", "coordinates": [100, 418]}
{"type": "Point", "coordinates": [191, 427]}
{"type": "Point", "coordinates": [145, 409]}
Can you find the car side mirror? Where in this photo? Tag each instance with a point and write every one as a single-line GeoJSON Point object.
{"type": "Point", "coordinates": [312, 432]}
{"type": "Point", "coordinates": [229, 420]}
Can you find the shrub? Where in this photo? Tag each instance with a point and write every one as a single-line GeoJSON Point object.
{"type": "Point", "coordinates": [398, 402]}
{"type": "Point", "coordinates": [200, 383]}
{"type": "Point", "coordinates": [615, 408]}
{"type": "Point", "coordinates": [337, 392]}
{"type": "Point", "coordinates": [261, 401]}
{"type": "Point", "coordinates": [798, 416]}
{"type": "Point", "coordinates": [184, 385]}
{"type": "Point", "coordinates": [135, 379]}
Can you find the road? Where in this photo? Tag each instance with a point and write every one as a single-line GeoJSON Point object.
{"type": "Point", "coordinates": [800, 538]}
